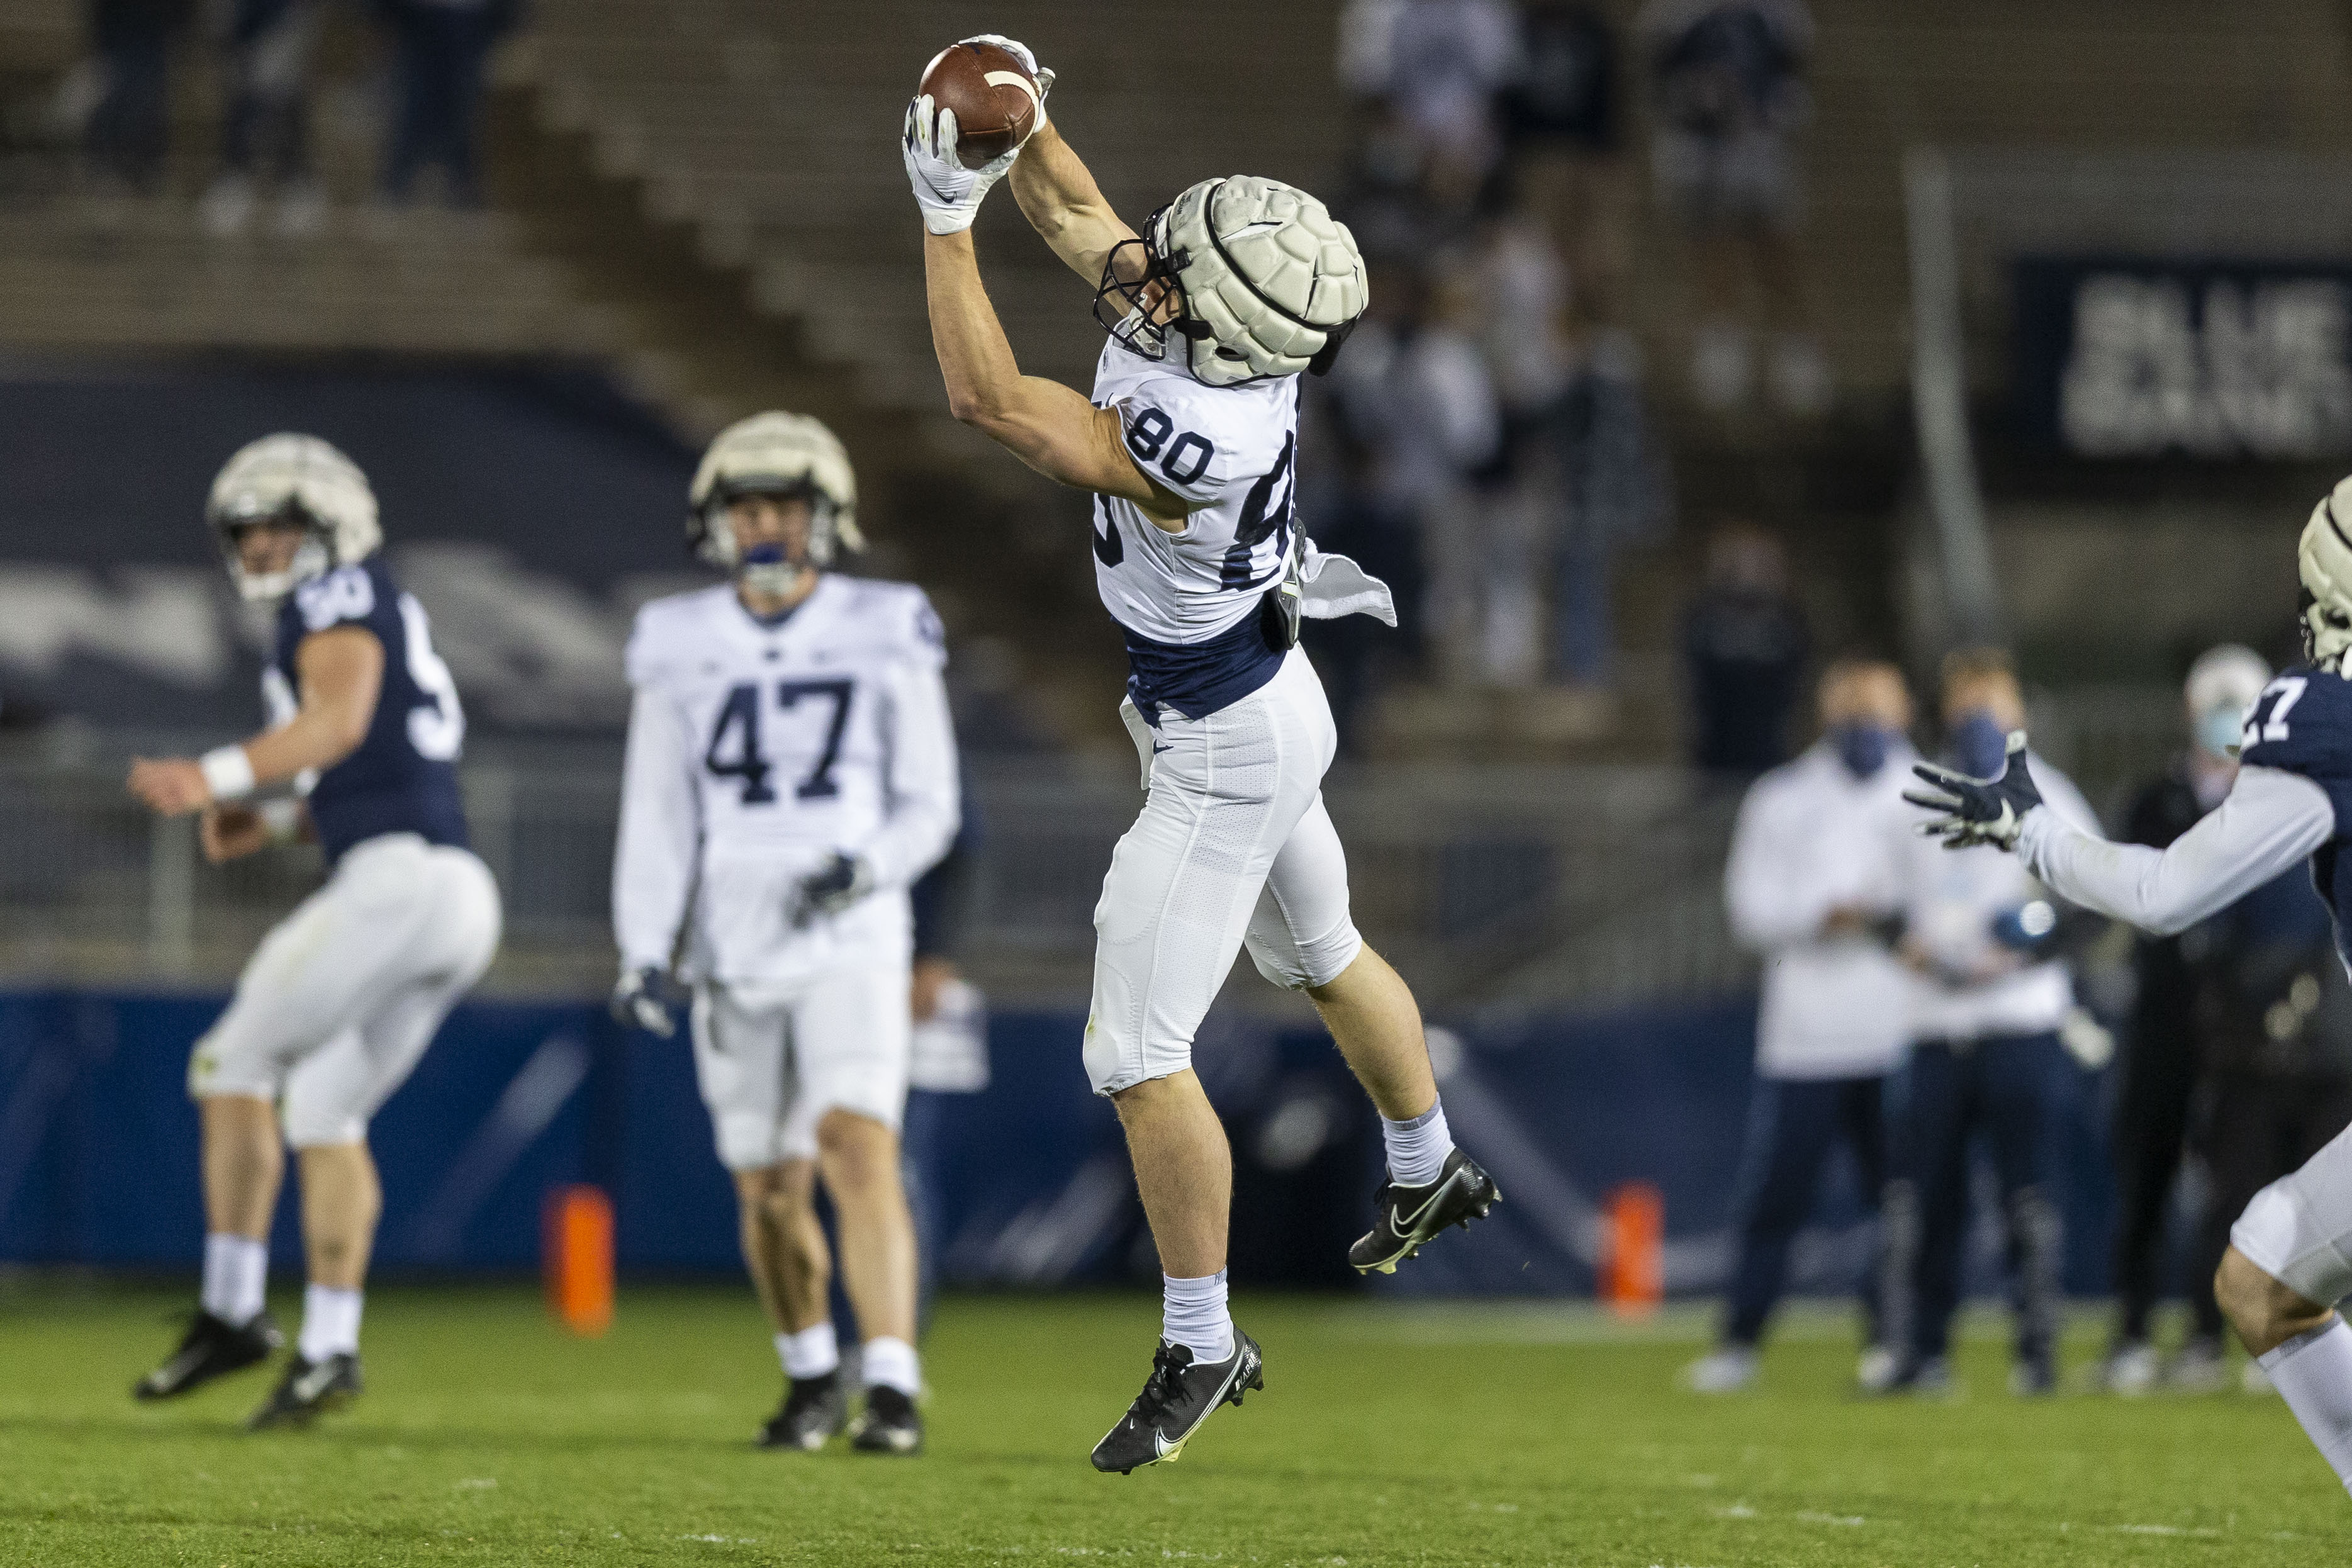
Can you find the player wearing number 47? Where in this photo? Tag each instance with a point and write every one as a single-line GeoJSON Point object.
{"type": "Point", "coordinates": [1189, 447]}
{"type": "Point", "coordinates": [791, 771]}
{"type": "Point", "coordinates": [2290, 1258]}
{"type": "Point", "coordinates": [341, 1000]}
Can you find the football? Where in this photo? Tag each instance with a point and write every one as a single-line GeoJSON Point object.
{"type": "Point", "coordinates": [994, 98]}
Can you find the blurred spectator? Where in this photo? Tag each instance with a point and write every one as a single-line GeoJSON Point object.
{"type": "Point", "coordinates": [1990, 1061]}
{"type": "Point", "coordinates": [1818, 862]}
{"type": "Point", "coordinates": [442, 47]}
{"type": "Point", "coordinates": [1439, 64]}
{"type": "Point", "coordinates": [2246, 1014]}
{"type": "Point", "coordinates": [1744, 648]}
{"type": "Point", "coordinates": [1727, 81]}
{"type": "Point", "coordinates": [1415, 391]}
{"type": "Point", "coordinates": [1560, 128]}
{"type": "Point", "coordinates": [126, 137]}
{"type": "Point", "coordinates": [1355, 653]}
{"type": "Point", "coordinates": [266, 132]}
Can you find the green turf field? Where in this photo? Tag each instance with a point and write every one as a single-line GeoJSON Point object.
{"type": "Point", "coordinates": [1452, 1435]}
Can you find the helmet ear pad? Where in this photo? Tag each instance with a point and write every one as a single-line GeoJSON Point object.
{"type": "Point", "coordinates": [2324, 566]}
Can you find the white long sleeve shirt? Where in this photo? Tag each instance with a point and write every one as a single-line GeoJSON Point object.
{"type": "Point", "coordinates": [2269, 821]}
{"type": "Point", "coordinates": [756, 752]}
{"type": "Point", "coordinates": [1812, 838]}
{"type": "Point", "coordinates": [1954, 897]}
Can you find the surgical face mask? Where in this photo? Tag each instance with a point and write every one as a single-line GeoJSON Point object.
{"type": "Point", "coordinates": [1861, 747]}
{"type": "Point", "coordinates": [2218, 731]}
{"type": "Point", "coordinates": [1979, 745]}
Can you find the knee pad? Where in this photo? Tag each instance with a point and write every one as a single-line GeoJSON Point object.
{"type": "Point", "coordinates": [1307, 964]}
{"type": "Point", "coordinates": [2270, 1235]}
{"type": "Point", "coordinates": [1113, 1064]}
{"type": "Point", "coordinates": [312, 1125]}
{"type": "Point", "coordinates": [217, 1067]}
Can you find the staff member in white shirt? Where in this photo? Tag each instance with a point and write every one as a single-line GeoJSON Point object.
{"type": "Point", "coordinates": [1816, 873]}
{"type": "Point", "coordinates": [1993, 997]}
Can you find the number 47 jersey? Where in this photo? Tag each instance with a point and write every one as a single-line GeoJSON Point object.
{"type": "Point", "coordinates": [760, 750]}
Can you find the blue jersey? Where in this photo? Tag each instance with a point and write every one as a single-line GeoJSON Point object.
{"type": "Point", "coordinates": [2302, 723]}
{"type": "Point", "coordinates": [404, 777]}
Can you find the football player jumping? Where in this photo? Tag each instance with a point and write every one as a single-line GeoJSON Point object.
{"type": "Point", "coordinates": [790, 771]}
{"type": "Point", "coordinates": [2290, 1256]}
{"type": "Point", "coordinates": [1189, 446]}
{"type": "Point", "coordinates": [341, 1000]}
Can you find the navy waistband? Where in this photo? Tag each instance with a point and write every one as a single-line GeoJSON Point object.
{"type": "Point", "coordinates": [1198, 679]}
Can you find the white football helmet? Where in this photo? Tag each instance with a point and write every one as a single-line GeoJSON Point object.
{"type": "Point", "coordinates": [2323, 562]}
{"type": "Point", "coordinates": [300, 478]}
{"type": "Point", "coordinates": [774, 454]}
{"type": "Point", "coordinates": [1264, 282]}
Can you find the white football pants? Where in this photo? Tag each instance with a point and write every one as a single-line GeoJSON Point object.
{"type": "Point", "coordinates": [1233, 847]}
{"type": "Point", "coordinates": [2298, 1230]}
{"type": "Point", "coordinates": [339, 1002]}
{"type": "Point", "coordinates": [772, 1063]}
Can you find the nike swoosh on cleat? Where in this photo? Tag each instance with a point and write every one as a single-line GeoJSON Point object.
{"type": "Point", "coordinates": [1404, 1224]}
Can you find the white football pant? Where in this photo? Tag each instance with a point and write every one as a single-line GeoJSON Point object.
{"type": "Point", "coordinates": [342, 998]}
{"type": "Point", "coordinates": [771, 1064]}
{"type": "Point", "coordinates": [2298, 1230]}
{"type": "Point", "coordinates": [1233, 847]}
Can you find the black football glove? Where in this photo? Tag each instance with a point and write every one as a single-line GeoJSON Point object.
{"type": "Point", "coordinates": [641, 1000]}
{"type": "Point", "coordinates": [1971, 811]}
{"type": "Point", "coordinates": [846, 880]}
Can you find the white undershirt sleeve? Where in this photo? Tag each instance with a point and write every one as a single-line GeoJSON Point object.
{"type": "Point", "coordinates": [923, 792]}
{"type": "Point", "coordinates": [661, 830]}
{"type": "Point", "coordinates": [2270, 821]}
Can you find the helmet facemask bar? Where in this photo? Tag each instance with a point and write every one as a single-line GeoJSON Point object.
{"type": "Point", "coordinates": [765, 569]}
{"type": "Point", "coordinates": [313, 557]}
{"type": "Point", "coordinates": [1156, 290]}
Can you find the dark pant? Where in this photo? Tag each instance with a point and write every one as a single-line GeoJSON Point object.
{"type": "Point", "coordinates": [2261, 1127]}
{"type": "Point", "coordinates": [2006, 1088]}
{"type": "Point", "coordinates": [1792, 1125]}
{"type": "Point", "coordinates": [2159, 1079]}
{"type": "Point", "coordinates": [442, 50]}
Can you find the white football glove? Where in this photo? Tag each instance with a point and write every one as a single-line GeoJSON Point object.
{"type": "Point", "coordinates": [1972, 811]}
{"type": "Point", "coordinates": [1027, 57]}
{"type": "Point", "coordinates": [638, 1001]}
{"type": "Point", "coordinates": [949, 194]}
{"type": "Point", "coordinates": [846, 880]}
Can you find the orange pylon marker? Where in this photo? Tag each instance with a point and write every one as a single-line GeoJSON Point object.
{"type": "Point", "coordinates": [1634, 1272]}
{"type": "Point", "coordinates": [578, 1259]}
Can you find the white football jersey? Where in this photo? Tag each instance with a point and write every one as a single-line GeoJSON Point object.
{"type": "Point", "coordinates": [1232, 453]}
{"type": "Point", "coordinates": [756, 752]}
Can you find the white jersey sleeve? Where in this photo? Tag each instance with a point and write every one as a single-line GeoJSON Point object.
{"type": "Point", "coordinates": [661, 809]}
{"type": "Point", "coordinates": [922, 797]}
{"type": "Point", "coordinates": [2270, 820]}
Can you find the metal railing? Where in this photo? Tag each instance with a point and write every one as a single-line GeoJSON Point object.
{"type": "Point", "coordinates": [1485, 886]}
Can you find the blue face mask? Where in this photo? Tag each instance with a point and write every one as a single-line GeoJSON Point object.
{"type": "Point", "coordinates": [2219, 729]}
{"type": "Point", "coordinates": [1979, 745]}
{"type": "Point", "coordinates": [1863, 748]}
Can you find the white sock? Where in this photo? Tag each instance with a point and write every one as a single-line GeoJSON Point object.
{"type": "Point", "coordinates": [889, 1363]}
{"type": "Point", "coordinates": [1192, 1314]}
{"type": "Point", "coordinates": [236, 1274]}
{"type": "Point", "coordinates": [330, 1322]}
{"type": "Point", "coordinates": [811, 1352]}
{"type": "Point", "coordinates": [2314, 1372]}
{"type": "Point", "coordinates": [1417, 1148]}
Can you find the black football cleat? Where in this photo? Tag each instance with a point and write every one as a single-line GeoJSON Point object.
{"type": "Point", "coordinates": [210, 1348]}
{"type": "Point", "coordinates": [889, 1424]}
{"type": "Point", "coordinates": [308, 1391]}
{"type": "Point", "coordinates": [1177, 1397]}
{"type": "Point", "coordinates": [813, 1412]}
{"type": "Point", "coordinates": [1409, 1217]}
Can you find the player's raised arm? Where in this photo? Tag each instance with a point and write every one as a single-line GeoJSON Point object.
{"type": "Point", "coordinates": [1059, 197]}
{"type": "Point", "coordinates": [2271, 821]}
{"type": "Point", "coordinates": [1046, 424]}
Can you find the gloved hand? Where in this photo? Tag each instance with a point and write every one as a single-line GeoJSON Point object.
{"type": "Point", "coordinates": [640, 1000]}
{"type": "Point", "coordinates": [949, 194]}
{"type": "Point", "coordinates": [1027, 57]}
{"type": "Point", "coordinates": [1971, 811]}
{"type": "Point", "coordinates": [844, 880]}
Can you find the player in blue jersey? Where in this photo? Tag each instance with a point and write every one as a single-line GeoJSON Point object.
{"type": "Point", "coordinates": [2290, 1257]}
{"type": "Point", "coordinates": [340, 1001]}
